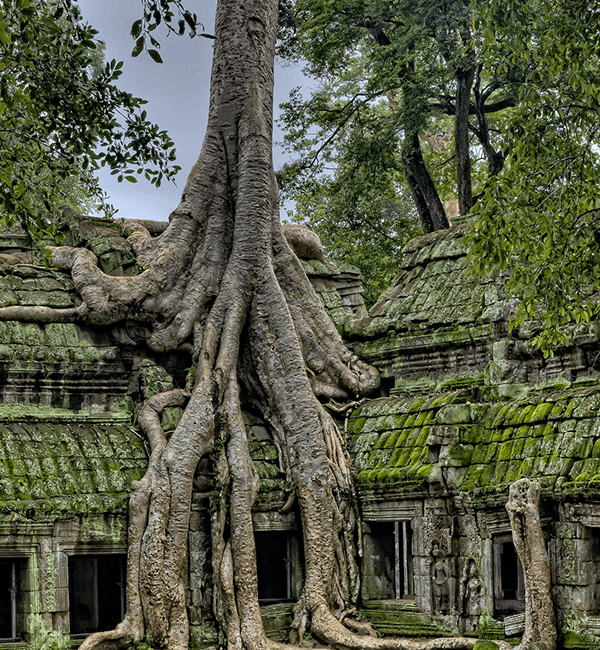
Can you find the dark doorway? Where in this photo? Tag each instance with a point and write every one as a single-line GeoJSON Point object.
{"type": "Point", "coordinates": [96, 592]}
{"type": "Point", "coordinates": [391, 554]}
{"type": "Point", "coordinates": [509, 585]}
{"type": "Point", "coordinates": [273, 566]}
{"type": "Point", "coordinates": [8, 600]}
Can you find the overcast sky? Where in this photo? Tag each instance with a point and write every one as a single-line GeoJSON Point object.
{"type": "Point", "coordinates": [177, 94]}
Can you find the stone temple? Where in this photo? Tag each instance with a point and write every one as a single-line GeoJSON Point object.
{"type": "Point", "coordinates": [466, 407]}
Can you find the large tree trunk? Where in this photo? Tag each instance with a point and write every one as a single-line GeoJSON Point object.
{"type": "Point", "coordinates": [528, 536]}
{"type": "Point", "coordinates": [223, 281]}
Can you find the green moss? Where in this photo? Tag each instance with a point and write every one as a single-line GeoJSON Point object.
{"type": "Point", "coordinates": [485, 644]}
{"type": "Point", "coordinates": [424, 472]}
{"type": "Point", "coordinates": [423, 418]}
{"type": "Point", "coordinates": [393, 439]}
{"type": "Point", "coordinates": [201, 636]}
{"type": "Point", "coordinates": [489, 628]}
{"type": "Point", "coordinates": [577, 640]}
{"type": "Point", "coordinates": [401, 619]}
{"type": "Point", "coordinates": [539, 413]}
{"type": "Point", "coordinates": [454, 414]}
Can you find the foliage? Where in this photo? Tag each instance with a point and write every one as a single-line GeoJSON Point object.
{"type": "Point", "coordinates": [357, 204]}
{"type": "Point", "coordinates": [155, 12]}
{"type": "Point", "coordinates": [62, 116]}
{"type": "Point", "coordinates": [386, 104]}
{"type": "Point", "coordinates": [540, 217]}
{"type": "Point", "coordinates": [386, 68]}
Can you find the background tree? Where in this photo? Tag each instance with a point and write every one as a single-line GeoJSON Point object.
{"type": "Point", "coordinates": [412, 65]}
{"type": "Point", "coordinates": [61, 116]}
{"type": "Point", "coordinates": [357, 203]}
{"type": "Point", "coordinates": [539, 218]}
{"type": "Point", "coordinates": [394, 90]}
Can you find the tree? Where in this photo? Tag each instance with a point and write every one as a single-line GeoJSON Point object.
{"type": "Point", "coordinates": [222, 280]}
{"type": "Point", "coordinates": [407, 67]}
{"type": "Point", "coordinates": [539, 218]}
{"type": "Point", "coordinates": [532, 115]}
{"type": "Point", "coordinates": [61, 116]}
{"type": "Point", "coordinates": [365, 230]}
{"type": "Point", "coordinates": [362, 212]}
{"type": "Point", "coordinates": [524, 512]}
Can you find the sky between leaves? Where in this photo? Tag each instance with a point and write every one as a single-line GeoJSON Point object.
{"type": "Point", "coordinates": [177, 93]}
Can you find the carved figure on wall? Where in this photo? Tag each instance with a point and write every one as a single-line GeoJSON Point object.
{"type": "Point", "coordinates": [470, 589]}
{"type": "Point", "coordinates": [440, 583]}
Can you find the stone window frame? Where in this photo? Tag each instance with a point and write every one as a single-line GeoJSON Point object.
{"type": "Point", "coordinates": [400, 513]}
{"type": "Point", "coordinates": [20, 554]}
{"type": "Point", "coordinates": [495, 523]}
{"type": "Point", "coordinates": [69, 548]}
{"type": "Point", "coordinates": [122, 584]}
{"type": "Point", "coordinates": [12, 561]}
{"type": "Point", "coordinates": [585, 515]}
{"type": "Point", "coordinates": [502, 605]}
{"type": "Point", "coordinates": [277, 522]}
{"type": "Point", "coordinates": [405, 587]}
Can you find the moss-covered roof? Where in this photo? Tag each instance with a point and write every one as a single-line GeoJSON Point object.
{"type": "Point", "coordinates": [67, 466]}
{"type": "Point", "coordinates": [434, 288]}
{"type": "Point", "coordinates": [452, 445]}
{"type": "Point", "coordinates": [438, 327]}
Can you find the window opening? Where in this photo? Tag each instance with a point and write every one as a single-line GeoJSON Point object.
{"type": "Point", "coordinates": [274, 566]}
{"type": "Point", "coordinates": [8, 600]}
{"type": "Point", "coordinates": [96, 593]}
{"type": "Point", "coordinates": [594, 573]}
{"type": "Point", "coordinates": [509, 585]}
{"type": "Point", "coordinates": [392, 542]}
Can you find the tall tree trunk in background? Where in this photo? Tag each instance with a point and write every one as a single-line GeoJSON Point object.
{"type": "Point", "coordinates": [464, 81]}
{"type": "Point", "coordinates": [524, 511]}
{"type": "Point", "coordinates": [428, 202]}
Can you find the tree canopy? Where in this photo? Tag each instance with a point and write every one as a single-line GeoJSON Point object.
{"type": "Point", "coordinates": [413, 74]}
{"type": "Point", "coordinates": [539, 218]}
{"type": "Point", "coordinates": [62, 116]}
{"type": "Point", "coordinates": [489, 105]}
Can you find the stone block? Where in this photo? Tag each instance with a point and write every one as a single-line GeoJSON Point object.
{"type": "Point", "coordinates": [62, 600]}
{"type": "Point", "coordinates": [575, 564]}
{"type": "Point", "coordinates": [62, 570]}
{"type": "Point", "coordinates": [454, 414]}
{"type": "Point", "coordinates": [422, 566]}
{"type": "Point", "coordinates": [436, 508]}
{"type": "Point", "coordinates": [62, 622]}
{"type": "Point", "coordinates": [423, 594]}
{"type": "Point", "coordinates": [195, 595]}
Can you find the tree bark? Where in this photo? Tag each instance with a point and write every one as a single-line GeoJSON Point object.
{"type": "Point", "coordinates": [464, 80]}
{"type": "Point", "coordinates": [428, 202]}
{"type": "Point", "coordinates": [523, 510]}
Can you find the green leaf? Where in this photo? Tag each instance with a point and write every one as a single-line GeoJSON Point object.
{"type": "Point", "coordinates": [136, 29]}
{"type": "Point", "coordinates": [139, 46]}
{"type": "Point", "coordinates": [155, 56]}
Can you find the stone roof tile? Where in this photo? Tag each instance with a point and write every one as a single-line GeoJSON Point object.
{"type": "Point", "coordinates": [407, 444]}
{"type": "Point", "coordinates": [66, 462]}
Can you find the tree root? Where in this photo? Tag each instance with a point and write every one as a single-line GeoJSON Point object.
{"type": "Point", "coordinates": [528, 536]}
{"type": "Point", "coordinates": [327, 628]}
